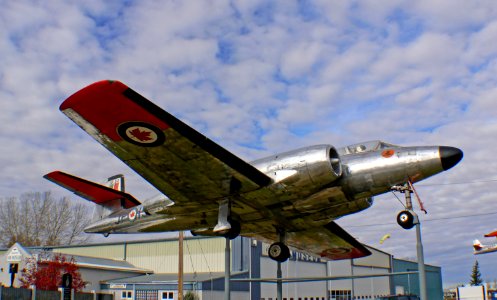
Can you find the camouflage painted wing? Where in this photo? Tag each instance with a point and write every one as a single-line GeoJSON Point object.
{"type": "Point", "coordinates": [179, 161]}
{"type": "Point", "coordinates": [329, 241]}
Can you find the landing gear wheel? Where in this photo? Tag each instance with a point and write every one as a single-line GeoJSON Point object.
{"type": "Point", "coordinates": [234, 231]}
{"type": "Point", "coordinates": [405, 219]}
{"type": "Point", "coordinates": [279, 252]}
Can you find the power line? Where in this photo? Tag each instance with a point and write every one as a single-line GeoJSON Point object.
{"type": "Point", "coordinates": [430, 220]}
{"type": "Point", "coordinates": [455, 183]}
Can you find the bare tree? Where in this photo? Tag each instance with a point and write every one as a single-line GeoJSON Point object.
{"type": "Point", "coordinates": [38, 219]}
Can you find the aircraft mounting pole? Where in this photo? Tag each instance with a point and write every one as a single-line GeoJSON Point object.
{"type": "Point", "coordinates": [227, 270]}
{"type": "Point", "coordinates": [419, 247]}
{"type": "Point", "coordinates": [279, 283]}
{"type": "Point", "coordinates": [180, 265]}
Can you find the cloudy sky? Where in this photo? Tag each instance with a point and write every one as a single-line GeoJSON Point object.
{"type": "Point", "coordinates": [262, 77]}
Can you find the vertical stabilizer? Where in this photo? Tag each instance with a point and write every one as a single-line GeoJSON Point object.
{"type": "Point", "coordinates": [116, 182]}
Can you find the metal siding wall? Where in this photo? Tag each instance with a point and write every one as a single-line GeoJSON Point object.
{"type": "Point", "coordinates": [207, 255]}
{"type": "Point", "coordinates": [376, 259]}
{"type": "Point", "coordinates": [101, 251]}
{"type": "Point", "coordinates": [411, 282]}
{"type": "Point", "coordinates": [292, 268]}
{"type": "Point", "coordinates": [377, 286]}
{"type": "Point", "coordinates": [161, 256]}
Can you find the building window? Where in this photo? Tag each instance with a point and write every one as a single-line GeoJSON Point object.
{"type": "Point", "coordinates": [341, 295]}
{"type": "Point", "coordinates": [127, 295]}
{"type": "Point", "coordinates": [167, 295]}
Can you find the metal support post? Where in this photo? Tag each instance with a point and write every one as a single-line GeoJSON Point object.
{"type": "Point", "coordinates": [227, 270]}
{"type": "Point", "coordinates": [421, 260]}
{"type": "Point", "coordinates": [408, 199]}
{"type": "Point", "coordinates": [180, 265]}
{"type": "Point", "coordinates": [419, 247]}
{"type": "Point", "coordinates": [279, 283]}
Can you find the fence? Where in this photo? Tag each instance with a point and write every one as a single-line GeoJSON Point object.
{"type": "Point", "coordinates": [10, 293]}
{"type": "Point", "coordinates": [46, 295]}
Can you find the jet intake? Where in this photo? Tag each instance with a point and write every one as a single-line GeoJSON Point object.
{"type": "Point", "coordinates": [323, 165]}
{"type": "Point", "coordinates": [308, 168]}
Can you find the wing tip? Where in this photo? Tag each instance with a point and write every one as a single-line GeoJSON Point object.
{"type": "Point", "coordinates": [96, 86]}
{"type": "Point", "coordinates": [51, 175]}
{"type": "Point", "coordinates": [491, 234]}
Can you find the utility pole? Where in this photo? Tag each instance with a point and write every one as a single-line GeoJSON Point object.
{"type": "Point", "coordinates": [180, 265]}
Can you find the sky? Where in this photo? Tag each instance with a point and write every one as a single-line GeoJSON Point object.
{"type": "Point", "coordinates": [262, 77]}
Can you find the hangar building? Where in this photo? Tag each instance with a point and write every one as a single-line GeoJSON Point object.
{"type": "Point", "coordinates": [148, 270]}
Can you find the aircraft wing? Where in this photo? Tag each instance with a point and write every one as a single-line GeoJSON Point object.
{"type": "Point", "coordinates": [329, 241]}
{"type": "Point", "coordinates": [491, 234]}
{"type": "Point", "coordinates": [179, 161]}
{"type": "Point", "coordinates": [100, 194]}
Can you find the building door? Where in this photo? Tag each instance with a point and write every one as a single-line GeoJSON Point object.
{"type": "Point", "coordinates": [146, 294]}
{"type": "Point", "coordinates": [167, 295]}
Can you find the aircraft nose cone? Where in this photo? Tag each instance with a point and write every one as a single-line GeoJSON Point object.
{"type": "Point", "coordinates": [449, 156]}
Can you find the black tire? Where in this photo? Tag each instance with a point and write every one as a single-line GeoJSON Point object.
{"type": "Point", "coordinates": [405, 219]}
{"type": "Point", "coordinates": [279, 252]}
{"type": "Point", "coordinates": [234, 232]}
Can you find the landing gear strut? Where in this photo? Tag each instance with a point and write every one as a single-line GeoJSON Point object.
{"type": "Point", "coordinates": [226, 225]}
{"type": "Point", "coordinates": [407, 218]}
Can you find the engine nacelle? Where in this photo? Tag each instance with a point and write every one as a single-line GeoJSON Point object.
{"type": "Point", "coordinates": [310, 168]}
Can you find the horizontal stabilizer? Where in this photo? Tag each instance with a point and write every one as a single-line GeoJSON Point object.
{"type": "Point", "coordinates": [97, 193]}
{"type": "Point", "coordinates": [491, 234]}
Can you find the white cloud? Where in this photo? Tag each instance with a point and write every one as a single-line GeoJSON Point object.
{"type": "Point", "coordinates": [261, 78]}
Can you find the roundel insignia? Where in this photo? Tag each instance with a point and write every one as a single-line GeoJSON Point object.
{"type": "Point", "coordinates": [141, 134]}
{"type": "Point", "coordinates": [335, 251]}
{"type": "Point", "coordinates": [387, 153]}
{"type": "Point", "coordinates": [132, 215]}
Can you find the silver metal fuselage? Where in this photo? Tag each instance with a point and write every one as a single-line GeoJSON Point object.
{"type": "Point", "coordinates": [313, 186]}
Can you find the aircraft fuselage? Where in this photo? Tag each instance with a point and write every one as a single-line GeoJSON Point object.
{"type": "Point", "coordinates": [315, 184]}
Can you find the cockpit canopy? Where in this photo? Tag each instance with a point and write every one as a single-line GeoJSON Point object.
{"type": "Point", "coordinates": [365, 147]}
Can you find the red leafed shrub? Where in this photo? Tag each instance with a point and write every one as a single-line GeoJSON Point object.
{"type": "Point", "coordinates": [45, 272]}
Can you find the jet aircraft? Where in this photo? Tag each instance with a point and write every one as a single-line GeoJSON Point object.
{"type": "Point", "coordinates": [482, 249]}
{"type": "Point", "coordinates": [287, 199]}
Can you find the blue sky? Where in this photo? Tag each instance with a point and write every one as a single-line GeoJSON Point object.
{"type": "Point", "coordinates": [262, 77]}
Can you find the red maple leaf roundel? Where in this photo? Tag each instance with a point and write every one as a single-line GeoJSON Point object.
{"type": "Point", "coordinates": [141, 135]}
